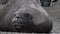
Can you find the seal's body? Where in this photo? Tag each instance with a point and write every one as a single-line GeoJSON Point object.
{"type": "Point", "coordinates": [25, 16]}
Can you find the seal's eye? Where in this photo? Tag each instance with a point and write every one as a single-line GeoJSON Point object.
{"type": "Point", "coordinates": [26, 15]}
{"type": "Point", "coordinates": [3, 1]}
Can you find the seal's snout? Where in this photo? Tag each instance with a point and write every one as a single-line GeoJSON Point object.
{"type": "Point", "coordinates": [22, 20]}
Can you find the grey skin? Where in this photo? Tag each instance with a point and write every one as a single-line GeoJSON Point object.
{"type": "Point", "coordinates": [24, 16]}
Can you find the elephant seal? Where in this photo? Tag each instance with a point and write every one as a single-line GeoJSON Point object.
{"type": "Point", "coordinates": [24, 16]}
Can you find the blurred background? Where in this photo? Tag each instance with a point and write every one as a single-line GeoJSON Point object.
{"type": "Point", "coordinates": [54, 12]}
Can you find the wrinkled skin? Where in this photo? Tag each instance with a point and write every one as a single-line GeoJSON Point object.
{"type": "Point", "coordinates": [24, 16]}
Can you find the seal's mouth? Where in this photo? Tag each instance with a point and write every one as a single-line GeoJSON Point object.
{"type": "Point", "coordinates": [18, 23]}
